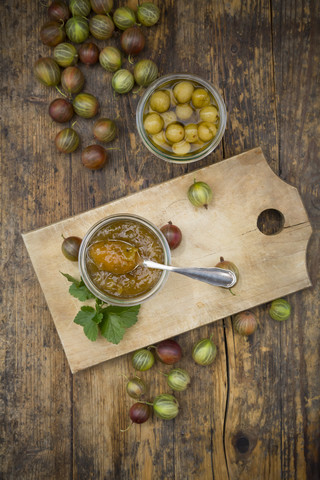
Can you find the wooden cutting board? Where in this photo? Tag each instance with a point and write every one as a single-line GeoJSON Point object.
{"type": "Point", "coordinates": [270, 265]}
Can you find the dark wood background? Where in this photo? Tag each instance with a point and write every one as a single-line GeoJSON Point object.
{"type": "Point", "coordinates": [255, 413]}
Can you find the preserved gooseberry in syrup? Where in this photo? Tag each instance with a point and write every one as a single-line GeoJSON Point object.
{"type": "Point", "coordinates": [181, 118]}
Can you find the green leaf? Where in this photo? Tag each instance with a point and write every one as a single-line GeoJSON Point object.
{"type": "Point", "coordinates": [116, 320]}
{"type": "Point", "coordinates": [89, 319]}
{"type": "Point", "coordinates": [111, 329]}
{"type": "Point", "coordinates": [71, 279]}
{"type": "Point", "coordinates": [78, 288]}
{"type": "Point", "coordinates": [80, 292]}
{"type": "Point", "coordinates": [128, 315]}
{"type": "Point", "coordinates": [112, 321]}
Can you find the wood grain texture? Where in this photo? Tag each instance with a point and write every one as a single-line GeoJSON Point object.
{"type": "Point", "coordinates": [255, 412]}
{"type": "Point", "coordinates": [270, 265]}
{"type": "Point", "coordinates": [35, 403]}
{"type": "Point", "coordinates": [298, 105]}
{"type": "Point", "coordinates": [250, 429]}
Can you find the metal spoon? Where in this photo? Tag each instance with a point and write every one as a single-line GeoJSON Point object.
{"type": "Point", "coordinates": [106, 254]}
{"type": "Point", "coordinates": [218, 277]}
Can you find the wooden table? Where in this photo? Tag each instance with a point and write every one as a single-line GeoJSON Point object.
{"type": "Point", "coordinates": [255, 413]}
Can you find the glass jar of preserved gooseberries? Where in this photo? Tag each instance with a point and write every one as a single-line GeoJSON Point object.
{"type": "Point", "coordinates": [181, 118]}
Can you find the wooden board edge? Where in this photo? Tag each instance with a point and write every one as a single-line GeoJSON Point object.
{"type": "Point", "coordinates": [24, 237]}
{"type": "Point", "coordinates": [273, 297]}
{"type": "Point", "coordinates": [253, 151]}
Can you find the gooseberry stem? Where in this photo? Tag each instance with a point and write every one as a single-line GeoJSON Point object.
{"type": "Point", "coordinates": [232, 293]}
{"type": "Point", "coordinates": [61, 93]}
{"type": "Point", "coordinates": [126, 428]}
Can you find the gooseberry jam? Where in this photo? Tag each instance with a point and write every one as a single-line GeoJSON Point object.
{"type": "Point", "coordinates": [181, 117]}
{"type": "Point", "coordinates": [107, 261]}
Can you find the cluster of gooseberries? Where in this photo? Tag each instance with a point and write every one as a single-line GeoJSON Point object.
{"type": "Point", "coordinates": [75, 21]}
{"type": "Point", "coordinates": [169, 352]}
{"type": "Point", "coordinates": [165, 405]}
{"type": "Point", "coordinates": [181, 117]}
{"type": "Point", "coordinates": [128, 20]}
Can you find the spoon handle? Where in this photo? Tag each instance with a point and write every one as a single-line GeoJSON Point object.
{"type": "Point", "coordinates": [218, 277]}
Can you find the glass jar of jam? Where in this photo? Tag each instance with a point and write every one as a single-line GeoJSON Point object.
{"type": "Point", "coordinates": [110, 259]}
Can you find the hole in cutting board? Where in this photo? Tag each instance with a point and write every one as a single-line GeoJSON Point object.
{"type": "Point", "coordinates": [270, 221]}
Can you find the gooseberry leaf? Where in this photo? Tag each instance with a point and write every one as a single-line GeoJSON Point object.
{"type": "Point", "coordinates": [116, 320]}
{"type": "Point", "coordinates": [80, 292]}
{"type": "Point", "coordinates": [89, 319]}
{"type": "Point", "coordinates": [71, 278]}
{"type": "Point", "coordinates": [78, 288]}
{"type": "Point", "coordinates": [111, 329]}
{"type": "Point", "coordinates": [112, 321]}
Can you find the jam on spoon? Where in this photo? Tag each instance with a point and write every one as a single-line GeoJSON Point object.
{"type": "Point", "coordinates": [114, 256]}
